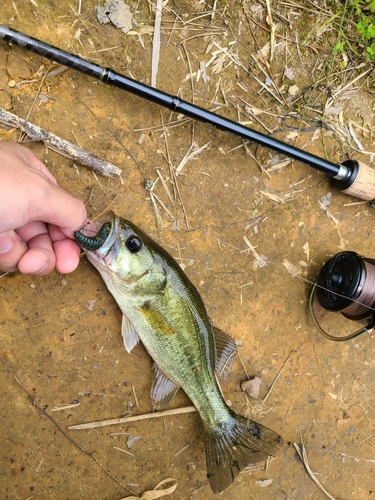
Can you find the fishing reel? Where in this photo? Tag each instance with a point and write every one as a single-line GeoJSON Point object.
{"type": "Point", "coordinates": [345, 284]}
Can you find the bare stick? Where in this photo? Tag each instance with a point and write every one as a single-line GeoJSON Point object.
{"type": "Point", "coordinates": [125, 420]}
{"type": "Point", "coordinates": [59, 145]}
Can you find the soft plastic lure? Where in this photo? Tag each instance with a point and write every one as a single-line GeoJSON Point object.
{"type": "Point", "coordinates": [93, 242]}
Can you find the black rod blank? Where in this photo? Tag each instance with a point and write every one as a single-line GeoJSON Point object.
{"type": "Point", "coordinates": [176, 104]}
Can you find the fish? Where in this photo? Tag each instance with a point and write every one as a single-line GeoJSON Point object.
{"type": "Point", "coordinates": [163, 309]}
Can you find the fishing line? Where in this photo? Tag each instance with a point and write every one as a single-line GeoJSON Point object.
{"type": "Point", "coordinates": [362, 296]}
{"type": "Point", "coordinates": [314, 283]}
{"type": "Point", "coordinates": [370, 286]}
{"type": "Point", "coordinates": [350, 290]}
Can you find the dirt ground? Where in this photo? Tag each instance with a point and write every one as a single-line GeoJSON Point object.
{"type": "Point", "coordinates": [60, 335]}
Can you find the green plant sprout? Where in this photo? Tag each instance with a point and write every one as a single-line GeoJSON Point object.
{"type": "Point", "coordinates": [362, 12]}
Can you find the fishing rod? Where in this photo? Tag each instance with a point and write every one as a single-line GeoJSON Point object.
{"type": "Point", "coordinates": [351, 176]}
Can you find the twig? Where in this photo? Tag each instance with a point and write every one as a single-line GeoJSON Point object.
{"type": "Point", "coordinates": [213, 10]}
{"type": "Point", "coordinates": [59, 145]}
{"type": "Point", "coordinates": [164, 183]}
{"type": "Point", "coordinates": [265, 62]}
{"type": "Point", "coordinates": [193, 151]}
{"type": "Point", "coordinates": [125, 420]}
{"type": "Point", "coordinates": [123, 451]}
{"type": "Point", "coordinates": [173, 176]}
{"type": "Point", "coordinates": [312, 47]}
{"type": "Point", "coordinates": [168, 160]}
{"type": "Point", "coordinates": [267, 89]}
{"type": "Point", "coordinates": [183, 45]}
{"type": "Point", "coordinates": [158, 128]}
{"type": "Point", "coordinates": [135, 396]}
{"type": "Point", "coordinates": [265, 73]}
{"type": "Point", "coordinates": [273, 29]}
{"type": "Point", "coordinates": [340, 91]}
{"type": "Point", "coordinates": [34, 101]}
{"type": "Point", "coordinates": [247, 149]}
{"type": "Point", "coordinates": [184, 448]}
{"type": "Point", "coordinates": [161, 203]}
{"type": "Point", "coordinates": [243, 365]}
{"type": "Point", "coordinates": [303, 456]}
{"type": "Point", "coordinates": [65, 407]}
{"type": "Point", "coordinates": [278, 375]}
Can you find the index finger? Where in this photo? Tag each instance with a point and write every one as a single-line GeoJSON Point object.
{"type": "Point", "coordinates": [55, 206]}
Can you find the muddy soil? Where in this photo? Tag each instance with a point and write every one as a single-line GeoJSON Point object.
{"type": "Point", "coordinates": [60, 335]}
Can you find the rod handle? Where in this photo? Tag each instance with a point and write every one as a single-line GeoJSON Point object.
{"type": "Point", "coordinates": [361, 182]}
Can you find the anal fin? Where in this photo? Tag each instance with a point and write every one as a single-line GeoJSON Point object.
{"type": "Point", "coordinates": [163, 390]}
{"type": "Point", "coordinates": [226, 350]}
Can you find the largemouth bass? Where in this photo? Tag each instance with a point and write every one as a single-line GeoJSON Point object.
{"type": "Point", "coordinates": [163, 309]}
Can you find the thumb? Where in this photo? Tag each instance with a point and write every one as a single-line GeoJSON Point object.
{"type": "Point", "coordinates": [12, 248]}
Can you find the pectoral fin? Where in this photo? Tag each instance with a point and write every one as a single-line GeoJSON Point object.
{"type": "Point", "coordinates": [129, 334]}
{"type": "Point", "coordinates": [226, 350]}
{"type": "Point", "coordinates": [163, 390]}
{"type": "Point", "coordinates": [156, 320]}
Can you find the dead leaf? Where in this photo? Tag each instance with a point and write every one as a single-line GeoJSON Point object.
{"type": "Point", "coordinates": [91, 305]}
{"type": "Point", "coordinates": [289, 73]}
{"type": "Point", "coordinates": [292, 135]}
{"type": "Point", "coordinates": [156, 493]}
{"type": "Point", "coordinates": [293, 90]}
{"type": "Point", "coordinates": [291, 268]}
{"type": "Point", "coordinates": [264, 483]}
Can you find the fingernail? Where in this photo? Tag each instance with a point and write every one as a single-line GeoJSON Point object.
{"type": "Point", "coordinates": [6, 242]}
{"type": "Point", "coordinates": [40, 269]}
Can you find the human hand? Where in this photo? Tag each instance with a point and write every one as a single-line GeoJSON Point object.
{"type": "Point", "coordinates": [37, 217]}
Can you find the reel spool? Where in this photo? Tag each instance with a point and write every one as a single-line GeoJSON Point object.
{"type": "Point", "coordinates": [346, 284]}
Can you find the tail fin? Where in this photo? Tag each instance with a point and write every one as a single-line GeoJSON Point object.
{"type": "Point", "coordinates": [235, 445]}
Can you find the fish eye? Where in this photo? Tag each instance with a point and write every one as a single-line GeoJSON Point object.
{"type": "Point", "coordinates": [133, 244]}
